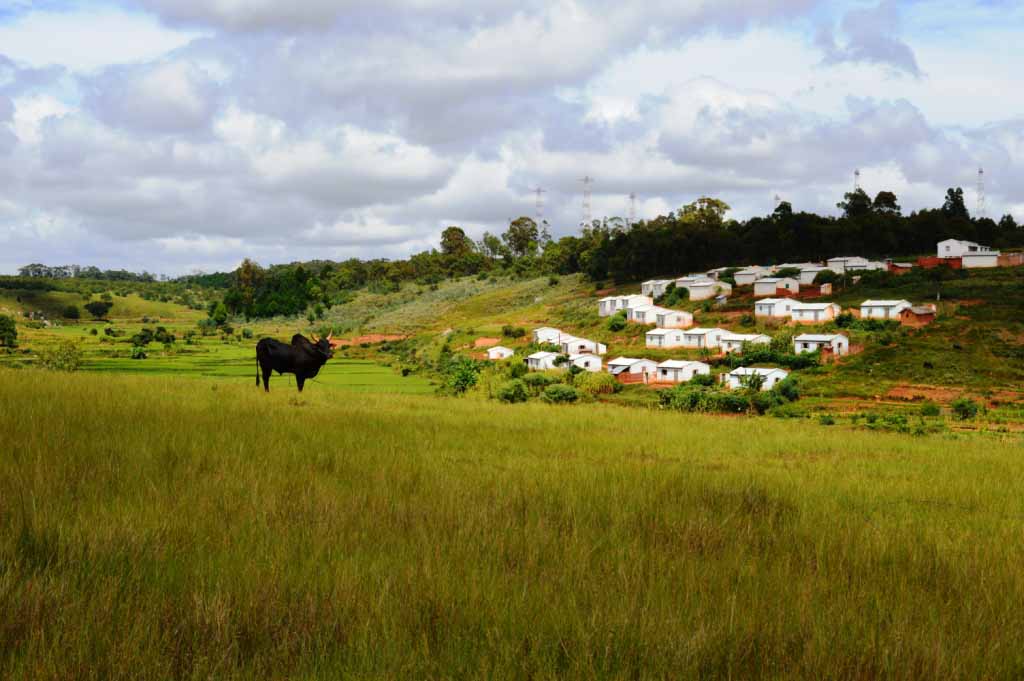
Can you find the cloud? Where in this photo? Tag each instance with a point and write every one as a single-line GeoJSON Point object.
{"type": "Point", "coordinates": [870, 38]}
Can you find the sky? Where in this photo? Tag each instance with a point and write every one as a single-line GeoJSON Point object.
{"type": "Point", "coordinates": [183, 135]}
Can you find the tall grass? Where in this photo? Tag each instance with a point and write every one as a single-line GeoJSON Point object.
{"type": "Point", "coordinates": [154, 529]}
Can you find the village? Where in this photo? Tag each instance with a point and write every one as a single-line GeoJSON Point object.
{"type": "Point", "coordinates": [789, 294]}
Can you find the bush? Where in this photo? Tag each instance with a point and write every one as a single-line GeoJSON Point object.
{"type": "Point", "coordinates": [93, 332]}
{"type": "Point", "coordinates": [99, 308]}
{"type": "Point", "coordinates": [600, 383]}
{"type": "Point", "coordinates": [512, 392]}
{"type": "Point", "coordinates": [67, 356]}
{"type": "Point", "coordinates": [748, 320]}
{"type": "Point", "coordinates": [536, 382]}
{"type": "Point", "coordinates": [138, 352]}
{"type": "Point", "coordinates": [162, 336]}
{"type": "Point", "coordinates": [560, 394]}
{"type": "Point", "coordinates": [930, 409]}
{"type": "Point", "coordinates": [703, 379]}
{"type": "Point", "coordinates": [617, 322]}
{"type": "Point", "coordinates": [461, 375]}
{"type": "Point", "coordinates": [510, 331]}
{"type": "Point", "coordinates": [517, 369]}
{"type": "Point", "coordinates": [826, 420]}
{"type": "Point", "coordinates": [965, 408]}
{"type": "Point", "coordinates": [8, 332]}
{"type": "Point", "coordinates": [247, 333]}
{"type": "Point", "coordinates": [788, 389]}
{"type": "Point", "coordinates": [72, 312]}
{"type": "Point", "coordinates": [143, 337]}
{"type": "Point", "coordinates": [552, 280]}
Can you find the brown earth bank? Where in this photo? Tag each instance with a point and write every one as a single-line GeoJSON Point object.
{"type": "Point", "coordinates": [370, 338]}
{"type": "Point", "coordinates": [486, 342]}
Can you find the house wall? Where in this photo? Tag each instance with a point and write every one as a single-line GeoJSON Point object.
{"type": "Point", "coordinates": [932, 262]}
{"type": "Point", "coordinates": [979, 260]}
{"type": "Point", "coordinates": [880, 312]}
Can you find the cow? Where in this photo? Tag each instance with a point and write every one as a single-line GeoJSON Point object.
{"type": "Point", "coordinates": [303, 357]}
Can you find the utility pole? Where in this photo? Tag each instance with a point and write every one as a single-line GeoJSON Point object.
{"type": "Point", "coordinates": [981, 210]}
{"type": "Point", "coordinates": [632, 208]}
{"type": "Point", "coordinates": [539, 191]}
{"type": "Point", "coordinates": [587, 208]}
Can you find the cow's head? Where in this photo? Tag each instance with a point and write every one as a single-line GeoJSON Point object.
{"type": "Point", "coordinates": [323, 345]}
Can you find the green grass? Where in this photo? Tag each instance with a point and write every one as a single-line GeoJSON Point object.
{"type": "Point", "coordinates": [153, 528]}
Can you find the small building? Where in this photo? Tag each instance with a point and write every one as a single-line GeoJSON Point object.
{"type": "Point", "coordinates": [546, 334]}
{"type": "Point", "coordinates": [841, 264]}
{"type": "Point", "coordinates": [673, 319]}
{"type": "Point", "coordinates": [774, 308]}
{"type": "Point", "coordinates": [703, 339]}
{"type": "Point", "coordinates": [541, 361]}
{"type": "Point", "coordinates": [586, 361]}
{"type": "Point", "coordinates": [643, 314]}
{"type": "Point", "coordinates": [980, 260]}
{"type": "Point", "coordinates": [499, 352]}
{"type": "Point", "coordinates": [749, 275]}
{"type": "Point", "coordinates": [917, 316]}
{"type": "Point", "coordinates": [957, 248]}
{"type": "Point", "coordinates": [900, 267]}
{"type": "Point", "coordinates": [664, 338]}
{"type": "Point", "coordinates": [573, 345]}
{"type": "Point", "coordinates": [655, 288]}
{"type": "Point", "coordinates": [717, 273]}
{"type": "Point", "coordinates": [836, 343]}
{"type": "Point", "coordinates": [608, 306]}
{"type": "Point", "coordinates": [680, 371]}
{"type": "Point", "coordinates": [707, 289]}
{"type": "Point", "coordinates": [866, 266]}
{"type": "Point", "coordinates": [769, 286]}
{"type": "Point", "coordinates": [736, 342]}
{"type": "Point", "coordinates": [814, 313]}
{"type": "Point", "coordinates": [741, 377]}
{"type": "Point", "coordinates": [809, 273]}
{"type": "Point", "coordinates": [883, 309]}
{"type": "Point", "coordinates": [631, 365]}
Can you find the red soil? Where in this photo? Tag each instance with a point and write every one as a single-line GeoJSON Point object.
{"type": "Point", "coordinates": [371, 338]}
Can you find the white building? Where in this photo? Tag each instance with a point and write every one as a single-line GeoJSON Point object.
{"type": "Point", "coordinates": [546, 334]}
{"type": "Point", "coordinates": [680, 371]}
{"type": "Point", "coordinates": [606, 307]}
{"type": "Point", "coordinates": [809, 273]}
{"type": "Point", "coordinates": [586, 361]}
{"type": "Point", "coordinates": [703, 339]}
{"type": "Point", "coordinates": [774, 308]}
{"type": "Point", "coordinates": [572, 345]}
{"type": "Point", "coordinates": [769, 286]}
{"type": "Point", "coordinates": [811, 342]}
{"type": "Point", "coordinates": [972, 255]}
{"type": "Point", "coordinates": [735, 342]}
{"type": "Point", "coordinates": [664, 338]}
{"type": "Point", "coordinates": [814, 313]}
{"type": "Point", "coordinates": [643, 314]}
{"type": "Point", "coordinates": [883, 309]}
{"type": "Point", "coordinates": [841, 264]}
{"type": "Point", "coordinates": [655, 288]}
{"type": "Point", "coordinates": [717, 272]}
{"type": "Point", "coordinates": [739, 378]}
{"type": "Point", "coordinates": [749, 275]}
{"type": "Point", "coordinates": [673, 319]}
{"type": "Point", "coordinates": [541, 361]}
{"type": "Point", "coordinates": [499, 352]}
{"type": "Point", "coordinates": [707, 289]}
{"type": "Point", "coordinates": [631, 365]}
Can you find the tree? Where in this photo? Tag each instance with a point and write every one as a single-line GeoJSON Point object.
{"type": "Point", "coordinates": [99, 308]}
{"type": "Point", "coordinates": [855, 204]}
{"type": "Point", "coordinates": [522, 237]}
{"type": "Point", "coordinates": [72, 312]}
{"type": "Point", "coordinates": [218, 313]}
{"type": "Point", "coordinates": [8, 332]}
{"type": "Point", "coordinates": [455, 242]}
{"type": "Point", "coordinates": [886, 203]}
{"type": "Point", "coordinates": [1008, 224]}
{"type": "Point", "coordinates": [954, 206]}
{"type": "Point", "coordinates": [492, 246]}
{"type": "Point", "coordinates": [705, 211]}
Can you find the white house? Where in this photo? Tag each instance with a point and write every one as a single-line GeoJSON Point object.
{"type": "Point", "coordinates": [705, 339]}
{"type": "Point", "coordinates": [768, 286]}
{"type": "Point", "coordinates": [809, 273]}
{"type": "Point", "coordinates": [572, 345]}
{"type": "Point", "coordinates": [717, 272]}
{"type": "Point", "coordinates": [811, 342]}
{"type": "Point", "coordinates": [680, 371]}
{"type": "Point", "coordinates": [673, 319]}
{"type": "Point", "coordinates": [847, 262]}
{"type": "Point", "coordinates": [541, 361]}
{"type": "Point", "coordinates": [655, 288]}
{"type": "Point", "coordinates": [630, 365]}
{"type": "Point", "coordinates": [707, 288]}
{"type": "Point", "coordinates": [749, 275]}
{"type": "Point", "coordinates": [643, 314]}
{"type": "Point", "coordinates": [972, 255]}
{"type": "Point", "coordinates": [586, 361]}
{"type": "Point", "coordinates": [499, 352]}
{"type": "Point", "coordinates": [664, 338]}
{"type": "Point", "coordinates": [865, 266]}
{"type": "Point", "coordinates": [739, 378]}
{"type": "Point", "coordinates": [883, 309]}
{"type": "Point", "coordinates": [814, 313]}
{"type": "Point", "coordinates": [546, 334]}
{"type": "Point", "coordinates": [608, 306]}
{"type": "Point", "coordinates": [775, 308]}
{"type": "Point", "coordinates": [735, 342]}
{"type": "Point", "coordinates": [612, 304]}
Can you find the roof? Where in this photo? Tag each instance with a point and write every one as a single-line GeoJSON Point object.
{"type": "Point", "coordinates": [920, 309]}
{"type": "Point", "coordinates": [542, 355]}
{"type": "Point", "coordinates": [665, 310]}
{"type": "Point", "coordinates": [659, 281]}
{"type": "Point", "coordinates": [743, 337]}
{"type": "Point", "coordinates": [884, 303]}
{"type": "Point", "coordinates": [627, 361]}
{"type": "Point", "coordinates": [819, 337]}
{"type": "Point", "coordinates": [701, 331]}
{"type": "Point", "coordinates": [499, 347]}
{"type": "Point", "coordinates": [813, 306]}
{"type": "Point", "coordinates": [678, 364]}
{"type": "Point", "coordinates": [773, 301]}
{"type": "Point", "coordinates": [547, 328]}
{"type": "Point", "coordinates": [659, 332]}
{"type": "Point", "coordinates": [752, 268]}
{"type": "Point", "coordinates": [581, 355]}
{"type": "Point", "coordinates": [607, 298]}
{"type": "Point", "coordinates": [903, 264]}
{"type": "Point", "coordinates": [770, 280]}
{"type": "Point", "coordinates": [749, 371]}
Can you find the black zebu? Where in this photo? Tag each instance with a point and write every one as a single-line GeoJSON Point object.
{"type": "Point", "coordinates": [302, 358]}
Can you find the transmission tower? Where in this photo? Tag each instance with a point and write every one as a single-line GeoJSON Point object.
{"type": "Point", "coordinates": [587, 209]}
{"type": "Point", "coordinates": [540, 191]}
{"type": "Point", "coordinates": [856, 180]}
{"type": "Point", "coordinates": [981, 193]}
{"type": "Point", "coordinates": [632, 208]}
{"type": "Point", "coordinates": [778, 200]}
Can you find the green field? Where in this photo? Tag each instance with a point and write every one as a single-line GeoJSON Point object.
{"type": "Point", "coordinates": [153, 528]}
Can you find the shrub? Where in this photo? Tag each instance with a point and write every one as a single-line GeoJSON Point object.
{"type": "Point", "coordinates": [748, 320]}
{"type": "Point", "coordinates": [517, 369]}
{"type": "Point", "coordinates": [247, 333]}
{"type": "Point", "coordinates": [8, 332]}
{"type": "Point", "coordinates": [72, 312]}
{"type": "Point", "coordinates": [560, 394]}
{"type": "Point", "coordinates": [600, 383]}
{"type": "Point", "coordinates": [512, 392]}
{"type": "Point", "coordinates": [99, 308]}
{"type": "Point", "coordinates": [536, 382]}
{"type": "Point", "coordinates": [143, 337]}
{"type": "Point", "coordinates": [965, 408]}
{"type": "Point", "coordinates": [138, 352]}
{"type": "Point", "coordinates": [552, 280]}
{"type": "Point", "coordinates": [788, 389]}
{"type": "Point", "coordinates": [163, 336]}
{"type": "Point", "coordinates": [617, 322]}
{"type": "Point", "coordinates": [67, 356]}
{"type": "Point", "coordinates": [510, 331]}
{"type": "Point", "coordinates": [461, 375]}
{"type": "Point", "coordinates": [93, 332]}
{"type": "Point", "coordinates": [930, 409]}
{"type": "Point", "coordinates": [826, 420]}
{"type": "Point", "coordinates": [207, 327]}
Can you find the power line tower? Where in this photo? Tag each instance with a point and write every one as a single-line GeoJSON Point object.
{"type": "Point", "coordinates": [587, 208]}
{"type": "Point", "coordinates": [981, 194]}
{"type": "Point", "coordinates": [778, 200]}
{"type": "Point", "coordinates": [856, 180]}
{"type": "Point", "coordinates": [632, 208]}
{"type": "Point", "coordinates": [540, 192]}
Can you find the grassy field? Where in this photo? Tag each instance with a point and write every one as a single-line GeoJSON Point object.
{"type": "Point", "coordinates": [153, 528]}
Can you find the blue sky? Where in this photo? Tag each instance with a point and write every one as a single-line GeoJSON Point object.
{"type": "Point", "coordinates": [176, 135]}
